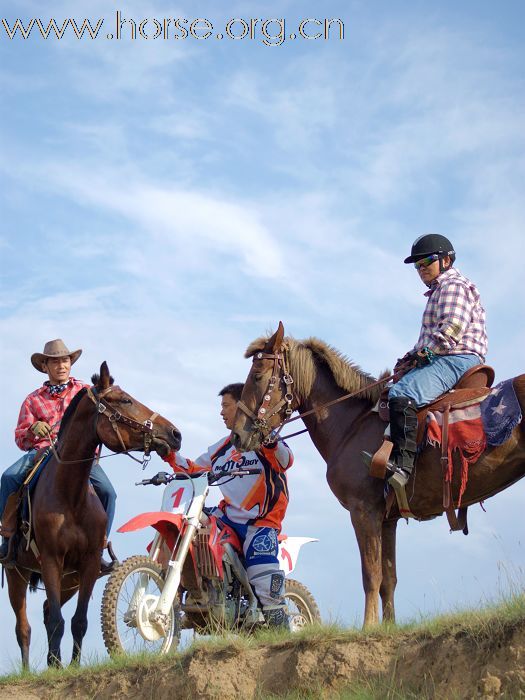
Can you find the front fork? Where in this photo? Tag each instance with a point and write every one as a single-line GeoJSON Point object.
{"type": "Point", "coordinates": [159, 616]}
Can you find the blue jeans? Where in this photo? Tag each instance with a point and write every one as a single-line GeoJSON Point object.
{"type": "Point", "coordinates": [13, 478]}
{"type": "Point", "coordinates": [425, 384]}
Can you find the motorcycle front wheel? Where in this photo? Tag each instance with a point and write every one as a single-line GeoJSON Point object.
{"type": "Point", "coordinates": [130, 594]}
{"type": "Point", "coordinates": [300, 605]}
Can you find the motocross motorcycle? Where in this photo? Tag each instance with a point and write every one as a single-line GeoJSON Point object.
{"type": "Point", "coordinates": [194, 577]}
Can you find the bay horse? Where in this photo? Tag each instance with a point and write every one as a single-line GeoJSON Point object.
{"type": "Point", "coordinates": [288, 375]}
{"type": "Point", "coordinates": [69, 522]}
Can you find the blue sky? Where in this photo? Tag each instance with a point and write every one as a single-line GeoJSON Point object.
{"type": "Point", "coordinates": [165, 202]}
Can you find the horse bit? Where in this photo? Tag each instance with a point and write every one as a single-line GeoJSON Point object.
{"type": "Point", "coordinates": [260, 420]}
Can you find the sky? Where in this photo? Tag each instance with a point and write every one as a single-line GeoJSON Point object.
{"type": "Point", "coordinates": [166, 201]}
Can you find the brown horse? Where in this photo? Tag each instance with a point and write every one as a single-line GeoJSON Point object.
{"type": "Point", "coordinates": [69, 522]}
{"type": "Point", "coordinates": [321, 374]}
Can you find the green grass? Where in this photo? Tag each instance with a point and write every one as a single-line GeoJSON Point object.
{"type": "Point", "coordinates": [479, 624]}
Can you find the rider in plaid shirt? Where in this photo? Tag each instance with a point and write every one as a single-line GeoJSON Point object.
{"type": "Point", "coordinates": [42, 405]}
{"type": "Point", "coordinates": [454, 320]}
{"type": "Point", "coordinates": [39, 423]}
{"type": "Point", "coordinates": [452, 340]}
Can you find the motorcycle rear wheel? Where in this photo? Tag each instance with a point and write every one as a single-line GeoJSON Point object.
{"type": "Point", "coordinates": [119, 613]}
{"type": "Point", "coordinates": [300, 605]}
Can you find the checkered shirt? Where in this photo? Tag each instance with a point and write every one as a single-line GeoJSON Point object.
{"type": "Point", "coordinates": [454, 319]}
{"type": "Point", "coordinates": [41, 405]}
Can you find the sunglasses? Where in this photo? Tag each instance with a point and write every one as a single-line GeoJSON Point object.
{"type": "Point", "coordinates": [425, 262]}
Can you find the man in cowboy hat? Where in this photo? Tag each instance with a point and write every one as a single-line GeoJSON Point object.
{"type": "Point", "coordinates": [39, 423]}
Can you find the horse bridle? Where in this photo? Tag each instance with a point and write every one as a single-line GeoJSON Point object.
{"type": "Point", "coordinates": [260, 419]}
{"type": "Point", "coordinates": [115, 417]}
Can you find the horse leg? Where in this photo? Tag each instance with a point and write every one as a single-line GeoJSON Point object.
{"type": "Point", "coordinates": [17, 595]}
{"type": "Point", "coordinates": [388, 564]}
{"type": "Point", "coordinates": [54, 622]}
{"type": "Point", "coordinates": [79, 622]}
{"type": "Point", "coordinates": [368, 533]}
{"type": "Point", "coordinates": [65, 595]}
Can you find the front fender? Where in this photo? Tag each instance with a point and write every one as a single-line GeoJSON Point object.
{"type": "Point", "coordinates": [157, 520]}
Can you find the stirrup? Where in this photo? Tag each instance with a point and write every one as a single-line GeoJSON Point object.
{"type": "Point", "coordinates": [399, 477]}
{"type": "Point", "coordinates": [391, 469]}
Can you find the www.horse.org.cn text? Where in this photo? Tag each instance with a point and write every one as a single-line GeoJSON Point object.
{"type": "Point", "coordinates": [270, 32]}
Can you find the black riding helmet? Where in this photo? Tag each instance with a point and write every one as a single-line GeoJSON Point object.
{"type": "Point", "coordinates": [430, 244]}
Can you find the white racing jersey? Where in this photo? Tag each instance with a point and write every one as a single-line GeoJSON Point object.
{"type": "Point", "coordinates": [258, 499]}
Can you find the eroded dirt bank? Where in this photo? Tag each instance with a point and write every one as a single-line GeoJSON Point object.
{"type": "Point", "coordinates": [454, 664]}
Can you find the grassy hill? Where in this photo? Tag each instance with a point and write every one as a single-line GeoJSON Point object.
{"type": "Point", "coordinates": [474, 654]}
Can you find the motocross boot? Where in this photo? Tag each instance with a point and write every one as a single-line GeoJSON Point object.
{"type": "Point", "coordinates": [276, 617]}
{"type": "Point", "coordinates": [403, 432]}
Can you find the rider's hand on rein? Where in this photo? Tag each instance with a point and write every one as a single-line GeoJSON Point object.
{"type": "Point", "coordinates": [41, 429]}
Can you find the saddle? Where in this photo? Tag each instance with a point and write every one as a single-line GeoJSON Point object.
{"type": "Point", "coordinates": [474, 385]}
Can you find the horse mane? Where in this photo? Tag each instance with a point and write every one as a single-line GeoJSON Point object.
{"type": "Point", "coordinates": [70, 410]}
{"type": "Point", "coordinates": [304, 358]}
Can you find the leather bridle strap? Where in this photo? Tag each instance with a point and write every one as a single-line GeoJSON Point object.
{"type": "Point", "coordinates": [261, 418]}
{"type": "Point", "coordinates": [115, 417]}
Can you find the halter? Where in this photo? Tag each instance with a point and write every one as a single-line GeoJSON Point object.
{"type": "Point", "coordinates": [260, 420]}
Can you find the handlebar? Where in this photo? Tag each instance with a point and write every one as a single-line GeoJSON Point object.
{"type": "Point", "coordinates": [163, 478]}
{"type": "Point", "coordinates": [213, 477]}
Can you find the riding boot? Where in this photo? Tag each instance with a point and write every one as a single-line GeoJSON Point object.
{"type": "Point", "coordinates": [403, 432]}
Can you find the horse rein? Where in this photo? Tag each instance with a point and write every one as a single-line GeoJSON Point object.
{"type": "Point", "coordinates": [260, 420]}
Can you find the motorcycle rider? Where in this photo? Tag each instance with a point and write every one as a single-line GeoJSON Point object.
{"type": "Point", "coordinates": [253, 506]}
{"type": "Point", "coordinates": [39, 423]}
{"type": "Point", "coordinates": [452, 339]}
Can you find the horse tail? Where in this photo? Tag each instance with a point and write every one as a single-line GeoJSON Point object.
{"type": "Point", "coordinates": [34, 580]}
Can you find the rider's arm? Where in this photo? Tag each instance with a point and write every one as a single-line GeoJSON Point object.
{"type": "Point", "coordinates": [278, 454]}
{"type": "Point", "coordinates": [454, 313]}
{"type": "Point", "coordinates": [24, 438]}
{"type": "Point", "coordinates": [180, 464]}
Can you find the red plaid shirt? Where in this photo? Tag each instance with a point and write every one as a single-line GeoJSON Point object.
{"type": "Point", "coordinates": [454, 319]}
{"type": "Point", "coordinates": [40, 405]}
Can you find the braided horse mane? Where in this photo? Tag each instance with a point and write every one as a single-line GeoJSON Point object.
{"type": "Point", "coordinates": [304, 356]}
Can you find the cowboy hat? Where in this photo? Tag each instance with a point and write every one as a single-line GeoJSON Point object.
{"type": "Point", "coordinates": [53, 348]}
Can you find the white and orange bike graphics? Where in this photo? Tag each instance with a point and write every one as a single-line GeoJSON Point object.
{"type": "Point", "coordinates": [194, 576]}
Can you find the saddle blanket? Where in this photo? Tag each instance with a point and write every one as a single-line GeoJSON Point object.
{"type": "Point", "coordinates": [471, 428]}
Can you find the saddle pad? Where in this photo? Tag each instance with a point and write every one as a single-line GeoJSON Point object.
{"type": "Point", "coordinates": [472, 427]}
{"type": "Point", "coordinates": [500, 413]}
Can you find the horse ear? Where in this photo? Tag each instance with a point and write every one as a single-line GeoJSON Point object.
{"type": "Point", "coordinates": [274, 343]}
{"type": "Point", "coordinates": [105, 377]}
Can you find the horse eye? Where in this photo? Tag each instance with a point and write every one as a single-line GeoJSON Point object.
{"type": "Point", "coordinates": [127, 402]}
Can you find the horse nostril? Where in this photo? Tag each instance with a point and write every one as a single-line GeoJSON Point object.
{"type": "Point", "coordinates": [176, 434]}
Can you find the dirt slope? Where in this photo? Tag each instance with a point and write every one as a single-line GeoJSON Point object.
{"type": "Point", "coordinates": [454, 664]}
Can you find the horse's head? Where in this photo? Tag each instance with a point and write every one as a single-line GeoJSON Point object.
{"type": "Point", "coordinates": [124, 424]}
{"type": "Point", "coordinates": [267, 398]}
